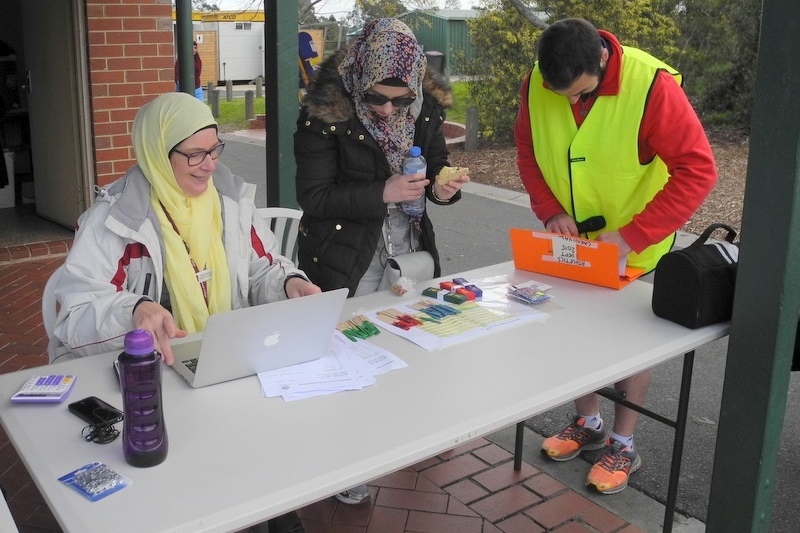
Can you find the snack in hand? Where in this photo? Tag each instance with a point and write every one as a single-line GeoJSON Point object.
{"type": "Point", "coordinates": [450, 173]}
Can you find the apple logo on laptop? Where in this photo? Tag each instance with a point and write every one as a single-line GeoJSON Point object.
{"type": "Point", "coordinates": [271, 340]}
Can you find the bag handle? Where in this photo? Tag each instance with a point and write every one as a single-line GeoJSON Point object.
{"type": "Point", "coordinates": [701, 240]}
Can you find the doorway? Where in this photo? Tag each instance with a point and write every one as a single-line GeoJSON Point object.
{"type": "Point", "coordinates": [49, 101]}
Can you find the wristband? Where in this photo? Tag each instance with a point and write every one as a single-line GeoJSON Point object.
{"type": "Point", "coordinates": [142, 299]}
{"type": "Point", "coordinates": [436, 197]}
{"type": "Point", "coordinates": [290, 276]}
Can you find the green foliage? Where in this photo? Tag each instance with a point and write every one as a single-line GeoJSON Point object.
{"type": "Point", "coordinates": [370, 9]}
{"type": "Point", "coordinates": [231, 114]}
{"type": "Point", "coordinates": [201, 5]}
{"type": "Point", "coordinates": [719, 48]}
{"type": "Point", "coordinates": [458, 111]}
{"type": "Point", "coordinates": [637, 23]}
{"type": "Point", "coordinates": [306, 13]}
{"type": "Point", "coordinates": [504, 44]}
{"type": "Point", "coordinates": [365, 10]}
{"type": "Point", "coordinates": [713, 43]}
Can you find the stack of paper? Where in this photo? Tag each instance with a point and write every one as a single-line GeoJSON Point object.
{"type": "Point", "coordinates": [347, 366]}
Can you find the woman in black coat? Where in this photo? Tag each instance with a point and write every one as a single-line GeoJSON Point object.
{"type": "Point", "coordinates": [364, 109]}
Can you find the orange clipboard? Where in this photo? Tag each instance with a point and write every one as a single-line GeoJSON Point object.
{"type": "Point", "coordinates": [564, 256]}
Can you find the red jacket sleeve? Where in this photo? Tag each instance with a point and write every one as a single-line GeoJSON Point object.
{"type": "Point", "coordinates": [671, 129]}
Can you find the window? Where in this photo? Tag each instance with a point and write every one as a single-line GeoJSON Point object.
{"type": "Point", "coordinates": [244, 25]}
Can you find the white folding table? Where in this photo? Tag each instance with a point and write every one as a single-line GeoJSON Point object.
{"type": "Point", "coordinates": [236, 458]}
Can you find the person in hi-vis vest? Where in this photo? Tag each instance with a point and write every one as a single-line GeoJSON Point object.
{"type": "Point", "coordinates": [606, 130]}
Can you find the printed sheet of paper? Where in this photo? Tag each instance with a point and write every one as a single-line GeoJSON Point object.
{"type": "Point", "coordinates": [347, 366]}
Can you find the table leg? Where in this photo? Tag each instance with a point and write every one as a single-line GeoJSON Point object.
{"type": "Point", "coordinates": [679, 424]}
{"type": "Point", "coordinates": [677, 446]}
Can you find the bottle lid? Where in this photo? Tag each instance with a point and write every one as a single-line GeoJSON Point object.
{"type": "Point", "coordinates": [139, 342]}
{"type": "Point", "coordinates": [415, 151]}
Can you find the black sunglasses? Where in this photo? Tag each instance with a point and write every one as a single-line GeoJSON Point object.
{"type": "Point", "coordinates": [379, 99]}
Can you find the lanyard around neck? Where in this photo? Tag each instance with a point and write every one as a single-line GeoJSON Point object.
{"type": "Point", "coordinates": [202, 276]}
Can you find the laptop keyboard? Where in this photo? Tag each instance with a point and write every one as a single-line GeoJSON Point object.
{"type": "Point", "coordinates": [191, 364]}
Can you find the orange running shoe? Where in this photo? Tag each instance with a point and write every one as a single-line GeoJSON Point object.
{"type": "Point", "coordinates": [610, 473]}
{"type": "Point", "coordinates": [573, 439]}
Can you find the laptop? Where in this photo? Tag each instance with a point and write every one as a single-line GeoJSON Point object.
{"type": "Point", "coordinates": [244, 342]}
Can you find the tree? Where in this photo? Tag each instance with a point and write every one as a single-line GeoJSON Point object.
{"type": "Point", "coordinates": [528, 14]}
{"type": "Point", "coordinates": [365, 10]}
{"type": "Point", "coordinates": [371, 9]}
{"type": "Point", "coordinates": [201, 5]}
{"type": "Point", "coordinates": [712, 42]}
{"type": "Point", "coordinates": [638, 23]}
{"type": "Point", "coordinates": [718, 55]}
{"type": "Point", "coordinates": [305, 11]}
{"type": "Point", "coordinates": [504, 39]}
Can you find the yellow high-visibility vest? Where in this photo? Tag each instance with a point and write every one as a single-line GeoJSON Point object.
{"type": "Point", "coordinates": [595, 169]}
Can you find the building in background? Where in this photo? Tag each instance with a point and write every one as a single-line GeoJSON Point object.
{"type": "Point", "coordinates": [231, 45]}
{"type": "Point", "coordinates": [444, 31]}
{"type": "Point", "coordinates": [83, 69]}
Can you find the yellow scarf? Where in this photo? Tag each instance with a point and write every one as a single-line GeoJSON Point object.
{"type": "Point", "coordinates": [197, 245]}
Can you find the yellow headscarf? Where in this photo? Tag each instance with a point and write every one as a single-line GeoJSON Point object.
{"type": "Point", "coordinates": [158, 127]}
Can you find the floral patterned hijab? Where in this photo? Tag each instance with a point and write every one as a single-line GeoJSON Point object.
{"type": "Point", "coordinates": [386, 49]}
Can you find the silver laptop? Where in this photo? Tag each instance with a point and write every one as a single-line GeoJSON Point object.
{"type": "Point", "coordinates": [244, 342]}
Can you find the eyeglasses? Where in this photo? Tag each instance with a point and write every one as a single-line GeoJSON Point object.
{"type": "Point", "coordinates": [379, 99]}
{"type": "Point", "coordinates": [196, 158]}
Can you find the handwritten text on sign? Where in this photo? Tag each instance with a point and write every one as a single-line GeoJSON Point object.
{"type": "Point", "coordinates": [565, 250]}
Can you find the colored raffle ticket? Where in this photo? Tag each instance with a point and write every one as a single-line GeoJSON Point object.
{"type": "Point", "coordinates": [435, 324]}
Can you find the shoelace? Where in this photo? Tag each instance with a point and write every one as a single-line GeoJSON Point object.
{"type": "Point", "coordinates": [614, 459]}
{"type": "Point", "coordinates": [577, 431]}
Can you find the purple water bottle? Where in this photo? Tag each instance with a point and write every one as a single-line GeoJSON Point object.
{"type": "Point", "coordinates": [144, 435]}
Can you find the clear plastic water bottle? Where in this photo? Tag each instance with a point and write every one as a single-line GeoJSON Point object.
{"type": "Point", "coordinates": [144, 435]}
{"type": "Point", "coordinates": [412, 164]}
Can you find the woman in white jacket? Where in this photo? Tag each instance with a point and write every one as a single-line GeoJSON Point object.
{"type": "Point", "coordinates": [175, 240]}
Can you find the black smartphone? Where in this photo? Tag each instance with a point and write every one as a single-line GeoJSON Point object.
{"type": "Point", "coordinates": [95, 411]}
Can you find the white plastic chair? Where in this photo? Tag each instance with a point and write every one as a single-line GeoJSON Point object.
{"type": "Point", "coordinates": [284, 223]}
{"type": "Point", "coordinates": [50, 310]}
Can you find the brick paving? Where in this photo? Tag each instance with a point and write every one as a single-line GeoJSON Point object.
{"type": "Point", "coordinates": [471, 489]}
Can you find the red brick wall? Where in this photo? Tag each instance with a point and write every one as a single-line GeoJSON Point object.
{"type": "Point", "coordinates": [130, 63]}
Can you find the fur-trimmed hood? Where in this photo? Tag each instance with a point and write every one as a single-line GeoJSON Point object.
{"type": "Point", "coordinates": [328, 101]}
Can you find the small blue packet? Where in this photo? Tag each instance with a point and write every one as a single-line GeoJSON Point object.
{"type": "Point", "coordinates": [95, 481]}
